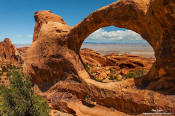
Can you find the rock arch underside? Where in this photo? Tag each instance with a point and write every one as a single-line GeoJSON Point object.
{"type": "Point", "coordinates": [54, 63]}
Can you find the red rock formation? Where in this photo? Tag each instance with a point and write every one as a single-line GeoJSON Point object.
{"type": "Point", "coordinates": [22, 50]}
{"type": "Point", "coordinates": [154, 24]}
{"type": "Point", "coordinates": [9, 54]}
{"type": "Point", "coordinates": [43, 17]}
{"type": "Point", "coordinates": [120, 65]}
{"type": "Point", "coordinates": [54, 57]}
{"type": "Point", "coordinates": [93, 58]}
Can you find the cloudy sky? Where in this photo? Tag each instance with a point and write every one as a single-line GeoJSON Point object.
{"type": "Point", "coordinates": [116, 35]}
{"type": "Point", "coordinates": [17, 21]}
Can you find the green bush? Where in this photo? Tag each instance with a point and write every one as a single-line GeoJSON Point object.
{"type": "Point", "coordinates": [113, 77]}
{"type": "Point", "coordinates": [136, 74]}
{"type": "Point", "coordinates": [1, 73]}
{"type": "Point", "coordinates": [4, 69]}
{"type": "Point", "coordinates": [87, 67]}
{"type": "Point", "coordinates": [89, 101]}
{"type": "Point", "coordinates": [19, 99]}
{"type": "Point", "coordinates": [111, 70]}
{"type": "Point", "coordinates": [9, 74]}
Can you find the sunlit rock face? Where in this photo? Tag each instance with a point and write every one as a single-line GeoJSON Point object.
{"type": "Point", "coordinates": [9, 54]}
{"type": "Point", "coordinates": [54, 56]}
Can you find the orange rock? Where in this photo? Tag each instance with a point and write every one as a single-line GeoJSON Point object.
{"type": "Point", "coordinates": [54, 62]}
{"type": "Point", "coordinates": [119, 77]}
{"type": "Point", "coordinates": [91, 57]}
{"type": "Point", "coordinates": [43, 17]}
{"type": "Point", "coordinates": [123, 72]}
{"type": "Point", "coordinates": [102, 75]}
{"type": "Point", "coordinates": [93, 69]}
{"type": "Point", "coordinates": [9, 54]}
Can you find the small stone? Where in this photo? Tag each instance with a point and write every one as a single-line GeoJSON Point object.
{"type": "Point", "coordinates": [119, 77]}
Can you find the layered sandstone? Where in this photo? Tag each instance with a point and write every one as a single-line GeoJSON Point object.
{"type": "Point", "coordinates": [55, 65]}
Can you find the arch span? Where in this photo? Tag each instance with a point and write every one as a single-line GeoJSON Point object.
{"type": "Point", "coordinates": [154, 24]}
{"type": "Point", "coordinates": [129, 14]}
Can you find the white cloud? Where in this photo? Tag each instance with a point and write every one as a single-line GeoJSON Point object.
{"type": "Point", "coordinates": [101, 34]}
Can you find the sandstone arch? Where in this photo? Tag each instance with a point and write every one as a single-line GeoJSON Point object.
{"type": "Point", "coordinates": [54, 63]}
{"type": "Point", "coordinates": [142, 17]}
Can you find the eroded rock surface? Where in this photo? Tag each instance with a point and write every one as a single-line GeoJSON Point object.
{"type": "Point", "coordinates": [9, 54]}
{"type": "Point", "coordinates": [114, 66]}
{"type": "Point", "coordinates": [54, 63]}
{"type": "Point", "coordinates": [44, 17]}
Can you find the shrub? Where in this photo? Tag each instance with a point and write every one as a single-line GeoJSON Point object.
{"type": "Point", "coordinates": [9, 74]}
{"type": "Point", "coordinates": [87, 67]}
{"type": "Point", "coordinates": [136, 74]}
{"type": "Point", "coordinates": [89, 101]}
{"type": "Point", "coordinates": [19, 99]}
{"type": "Point", "coordinates": [111, 70]}
{"type": "Point", "coordinates": [113, 77]}
{"type": "Point", "coordinates": [4, 69]}
{"type": "Point", "coordinates": [1, 73]}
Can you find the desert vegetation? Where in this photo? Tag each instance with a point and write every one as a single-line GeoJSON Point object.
{"type": "Point", "coordinates": [17, 97]}
{"type": "Point", "coordinates": [113, 74]}
{"type": "Point", "coordinates": [89, 101]}
{"type": "Point", "coordinates": [135, 74]}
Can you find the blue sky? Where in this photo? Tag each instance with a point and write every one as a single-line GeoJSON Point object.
{"type": "Point", "coordinates": [17, 21]}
